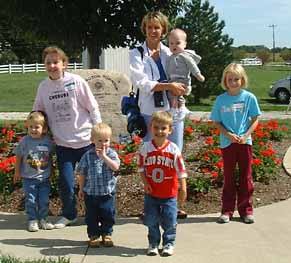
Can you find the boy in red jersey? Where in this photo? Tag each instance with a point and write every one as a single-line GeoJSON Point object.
{"type": "Point", "coordinates": [162, 170]}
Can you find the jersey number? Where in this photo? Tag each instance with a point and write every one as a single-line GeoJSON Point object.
{"type": "Point", "coordinates": [158, 175]}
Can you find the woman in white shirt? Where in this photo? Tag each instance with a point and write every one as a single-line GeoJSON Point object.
{"type": "Point", "coordinates": [148, 74]}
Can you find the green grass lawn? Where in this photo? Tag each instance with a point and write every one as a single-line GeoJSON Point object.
{"type": "Point", "coordinates": [260, 79]}
{"type": "Point", "coordinates": [18, 90]}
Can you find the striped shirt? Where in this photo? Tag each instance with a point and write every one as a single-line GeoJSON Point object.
{"type": "Point", "coordinates": [99, 178]}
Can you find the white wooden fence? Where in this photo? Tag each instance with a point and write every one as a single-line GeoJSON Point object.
{"type": "Point", "coordinates": [25, 68]}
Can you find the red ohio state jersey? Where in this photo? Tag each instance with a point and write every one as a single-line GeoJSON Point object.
{"type": "Point", "coordinates": [163, 167]}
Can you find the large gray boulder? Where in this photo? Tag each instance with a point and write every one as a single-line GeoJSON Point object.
{"type": "Point", "coordinates": [108, 88]}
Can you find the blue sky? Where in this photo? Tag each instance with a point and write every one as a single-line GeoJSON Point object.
{"type": "Point", "coordinates": [248, 21]}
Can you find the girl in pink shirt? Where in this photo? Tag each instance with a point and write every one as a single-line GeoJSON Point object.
{"type": "Point", "coordinates": [71, 109]}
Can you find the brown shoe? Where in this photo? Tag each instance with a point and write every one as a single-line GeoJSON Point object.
{"type": "Point", "coordinates": [107, 241]}
{"type": "Point", "coordinates": [94, 242]}
{"type": "Point", "coordinates": [181, 214]}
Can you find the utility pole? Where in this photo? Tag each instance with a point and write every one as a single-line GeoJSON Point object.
{"type": "Point", "coordinates": [273, 27]}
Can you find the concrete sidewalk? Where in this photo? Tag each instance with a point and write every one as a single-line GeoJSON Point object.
{"type": "Point", "coordinates": [199, 239]}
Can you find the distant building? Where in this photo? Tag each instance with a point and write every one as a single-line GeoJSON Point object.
{"type": "Point", "coordinates": [115, 59]}
{"type": "Point", "coordinates": [251, 61]}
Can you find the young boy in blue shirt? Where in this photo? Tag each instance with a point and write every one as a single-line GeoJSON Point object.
{"type": "Point", "coordinates": [98, 186]}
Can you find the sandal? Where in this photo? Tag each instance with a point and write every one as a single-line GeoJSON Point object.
{"type": "Point", "coordinates": [107, 241]}
{"type": "Point", "coordinates": [94, 242]}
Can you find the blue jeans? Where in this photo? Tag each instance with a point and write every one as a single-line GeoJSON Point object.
{"type": "Point", "coordinates": [176, 136]}
{"type": "Point", "coordinates": [67, 159]}
{"type": "Point", "coordinates": [160, 212]}
{"type": "Point", "coordinates": [36, 198]}
{"type": "Point", "coordinates": [100, 214]}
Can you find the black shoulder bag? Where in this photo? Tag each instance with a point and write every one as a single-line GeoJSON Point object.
{"type": "Point", "coordinates": [129, 107]}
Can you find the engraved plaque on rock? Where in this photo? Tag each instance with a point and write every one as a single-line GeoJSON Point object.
{"type": "Point", "coordinates": [108, 88]}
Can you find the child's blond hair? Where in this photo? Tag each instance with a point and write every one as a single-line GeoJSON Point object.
{"type": "Point", "coordinates": [38, 117]}
{"type": "Point", "coordinates": [156, 16]}
{"type": "Point", "coordinates": [100, 129]}
{"type": "Point", "coordinates": [162, 117]}
{"type": "Point", "coordinates": [182, 34]}
{"type": "Point", "coordinates": [238, 70]}
{"type": "Point", "coordinates": [55, 50]}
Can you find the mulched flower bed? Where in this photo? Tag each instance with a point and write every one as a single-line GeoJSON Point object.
{"type": "Point", "coordinates": [130, 192]}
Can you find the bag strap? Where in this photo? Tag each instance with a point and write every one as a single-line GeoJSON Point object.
{"type": "Point", "coordinates": [140, 49]}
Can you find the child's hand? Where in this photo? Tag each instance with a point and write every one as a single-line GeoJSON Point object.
{"type": "Point", "coordinates": [182, 195]}
{"type": "Point", "coordinates": [200, 77]}
{"type": "Point", "coordinates": [81, 194]}
{"type": "Point", "coordinates": [243, 139]}
{"type": "Point", "coordinates": [234, 138]}
{"type": "Point", "coordinates": [101, 152]}
{"type": "Point", "coordinates": [147, 188]}
{"type": "Point", "coordinates": [16, 178]}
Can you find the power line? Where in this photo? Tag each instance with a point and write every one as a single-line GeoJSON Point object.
{"type": "Point", "coordinates": [273, 27]}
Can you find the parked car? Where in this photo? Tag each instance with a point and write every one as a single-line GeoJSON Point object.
{"type": "Point", "coordinates": [281, 90]}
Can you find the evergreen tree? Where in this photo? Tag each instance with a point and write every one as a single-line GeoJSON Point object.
{"type": "Point", "coordinates": [205, 36]}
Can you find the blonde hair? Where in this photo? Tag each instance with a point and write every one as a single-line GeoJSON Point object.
{"type": "Point", "coordinates": [100, 129]}
{"type": "Point", "coordinates": [180, 32]}
{"type": "Point", "coordinates": [38, 117]}
{"type": "Point", "coordinates": [55, 50]}
{"type": "Point", "coordinates": [162, 117]}
{"type": "Point", "coordinates": [156, 16]}
{"type": "Point", "coordinates": [238, 70]}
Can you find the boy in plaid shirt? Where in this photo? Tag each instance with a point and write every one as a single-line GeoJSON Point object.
{"type": "Point", "coordinates": [98, 185]}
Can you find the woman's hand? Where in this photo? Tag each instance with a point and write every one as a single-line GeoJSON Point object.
{"type": "Point", "coordinates": [177, 89]}
{"type": "Point", "coordinates": [156, 55]}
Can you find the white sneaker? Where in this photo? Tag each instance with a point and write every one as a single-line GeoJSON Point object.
{"type": "Point", "coordinates": [152, 250]}
{"type": "Point", "coordinates": [223, 219]}
{"type": "Point", "coordinates": [182, 113]}
{"type": "Point", "coordinates": [63, 222]}
{"type": "Point", "coordinates": [46, 225]}
{"type": "Point", "coordinates": [32, 226]}
{"type": "Point", "coordinates": [168, 250]}
{"type": "Point", "coordinates": [249, 219]}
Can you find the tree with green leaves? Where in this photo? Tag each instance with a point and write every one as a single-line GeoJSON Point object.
{"type": "Point", "coordinates": [286, 54]}
{"type": "Point", "coordinates": [205, 36]}
{"type": "Point", "coordinates": [238, 54]}
{"type": "Point", "coordinates": [264, 54]}
{"type": "Point", "coordinates": [16, 39]}
{"type": "Point", "coordinates": [95, 25]}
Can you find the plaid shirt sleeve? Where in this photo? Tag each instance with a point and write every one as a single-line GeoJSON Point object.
{"type": "Point", "coordinates": [82, 167]}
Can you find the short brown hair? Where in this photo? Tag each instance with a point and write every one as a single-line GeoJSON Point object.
{"type": "Point", "coordinates": [238, 70]}
{"type": "Point", "coordinates": [162, 117]}
{"type": "Point", "coordinates": [56, 50]}
{"type": "Point", "coordinates": [100, 129]}
{"type": "Point", "coordinates": [157, 16]}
